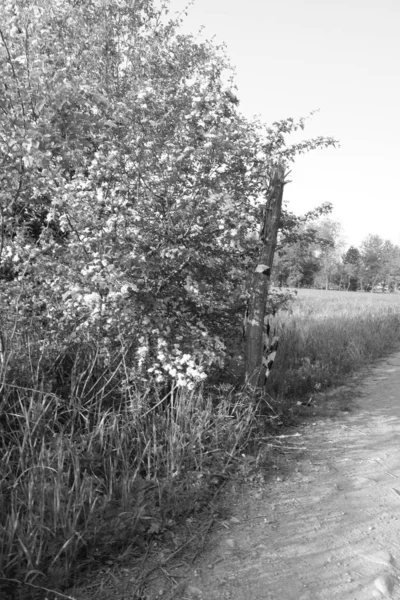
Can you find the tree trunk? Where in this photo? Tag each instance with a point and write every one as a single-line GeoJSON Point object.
{"type": "Point", "coordinates": [255, 370]}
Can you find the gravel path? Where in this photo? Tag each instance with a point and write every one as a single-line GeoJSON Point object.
{"type": "Point", "coordinates": [327, 525]}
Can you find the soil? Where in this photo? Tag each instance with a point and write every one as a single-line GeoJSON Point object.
{"type": "Point", "coordinates": [324, 523]}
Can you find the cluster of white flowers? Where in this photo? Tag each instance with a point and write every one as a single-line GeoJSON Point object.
{"type": "Point", "coordinates": [142, 352]}
{"type": "Point", "coordinates": [181, 367]}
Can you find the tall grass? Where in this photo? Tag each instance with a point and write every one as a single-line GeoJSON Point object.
{"type": "Point", "coordinates": [325, 336]}
{"type": "Point", "coordinates": [81, 483]}
{"type": "Point", "coordinates": [100, 468]}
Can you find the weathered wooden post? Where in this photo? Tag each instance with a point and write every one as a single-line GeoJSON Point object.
{"type": "Point", "coordinates": [256, 367]}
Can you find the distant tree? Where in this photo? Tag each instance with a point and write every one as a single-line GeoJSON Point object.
{"type": "Point", "coordinates": [296, 265]}
{"type": "Point", "coordinates": [310, 254]}
{"type": "Point", "coordinates": [375, 254]}
{"type": "Point", "coordinates": [352, 263]}
{"type": "Point", "coordinates": [393, 279]}
{"type": "Point", "coordinates": [328, 251]}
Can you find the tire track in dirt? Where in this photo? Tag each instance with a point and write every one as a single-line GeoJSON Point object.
{"type": "Point", "coordinates": [327, 526]}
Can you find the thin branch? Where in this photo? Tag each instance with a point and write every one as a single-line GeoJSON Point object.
{"type": "Point", "coordinates": [13, 70]}
{"type": "Point", "coordinates": [183, 265]}
{"type": "Point", "coordinates": [38, 587]}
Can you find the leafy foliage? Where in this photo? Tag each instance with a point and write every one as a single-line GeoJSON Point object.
{"type": "Point", "coordinates": [309, 253]}
{"type": "Point", "coordinates": [312, 256]}
{"type": "Point", "coordinates": [380, 263]}
{"type": "Point", "coordinates": [351, 267]}
{"type": "Point", "coordinates": [131, 186]}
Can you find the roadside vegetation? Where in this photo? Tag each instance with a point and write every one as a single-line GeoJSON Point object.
{"type": "Point", "coordinates": [83, 486]}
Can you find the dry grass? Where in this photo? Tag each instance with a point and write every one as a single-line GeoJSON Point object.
{"type": "Point", "coordinates": [327, 336]}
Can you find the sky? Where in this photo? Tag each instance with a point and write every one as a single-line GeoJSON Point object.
{"type": "Point", "coordinates": [340, 57]}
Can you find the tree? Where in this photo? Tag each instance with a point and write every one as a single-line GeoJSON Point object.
{"type": "Point", "coordinates": [296, 265]}
{"type": "Point", "coordinates": [380, 260]}
{"type": "Point", "coordinates": [308, 255]}
{"type": "Point", "coordinates": [374, 252]}
{"type": "Point", "coordinates": [123, 138]}
{"type": "Point", "coordinates": [328, 250]}
{"type": "Point", "coordinates": [393, 267]}
{"type": "Point", "coordinates": [352, 266]}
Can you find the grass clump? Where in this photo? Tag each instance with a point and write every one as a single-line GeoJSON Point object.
{"type": "Point", "coordinates": [83, 484]}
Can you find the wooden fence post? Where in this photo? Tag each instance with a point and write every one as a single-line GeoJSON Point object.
{"type": "Point", "coordinates": [255, 369]}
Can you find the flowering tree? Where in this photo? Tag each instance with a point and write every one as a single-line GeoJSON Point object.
{"type": "Point", "coordinates": [132, 187]}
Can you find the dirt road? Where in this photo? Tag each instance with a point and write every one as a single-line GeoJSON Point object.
{"type": "Point", "coordinates": [327, 524]}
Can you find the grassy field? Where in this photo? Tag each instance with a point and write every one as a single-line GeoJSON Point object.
{"type": "Point", "coordinates": [327, 335]}
{"type": "Point", "coordinates": [81, 488]}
